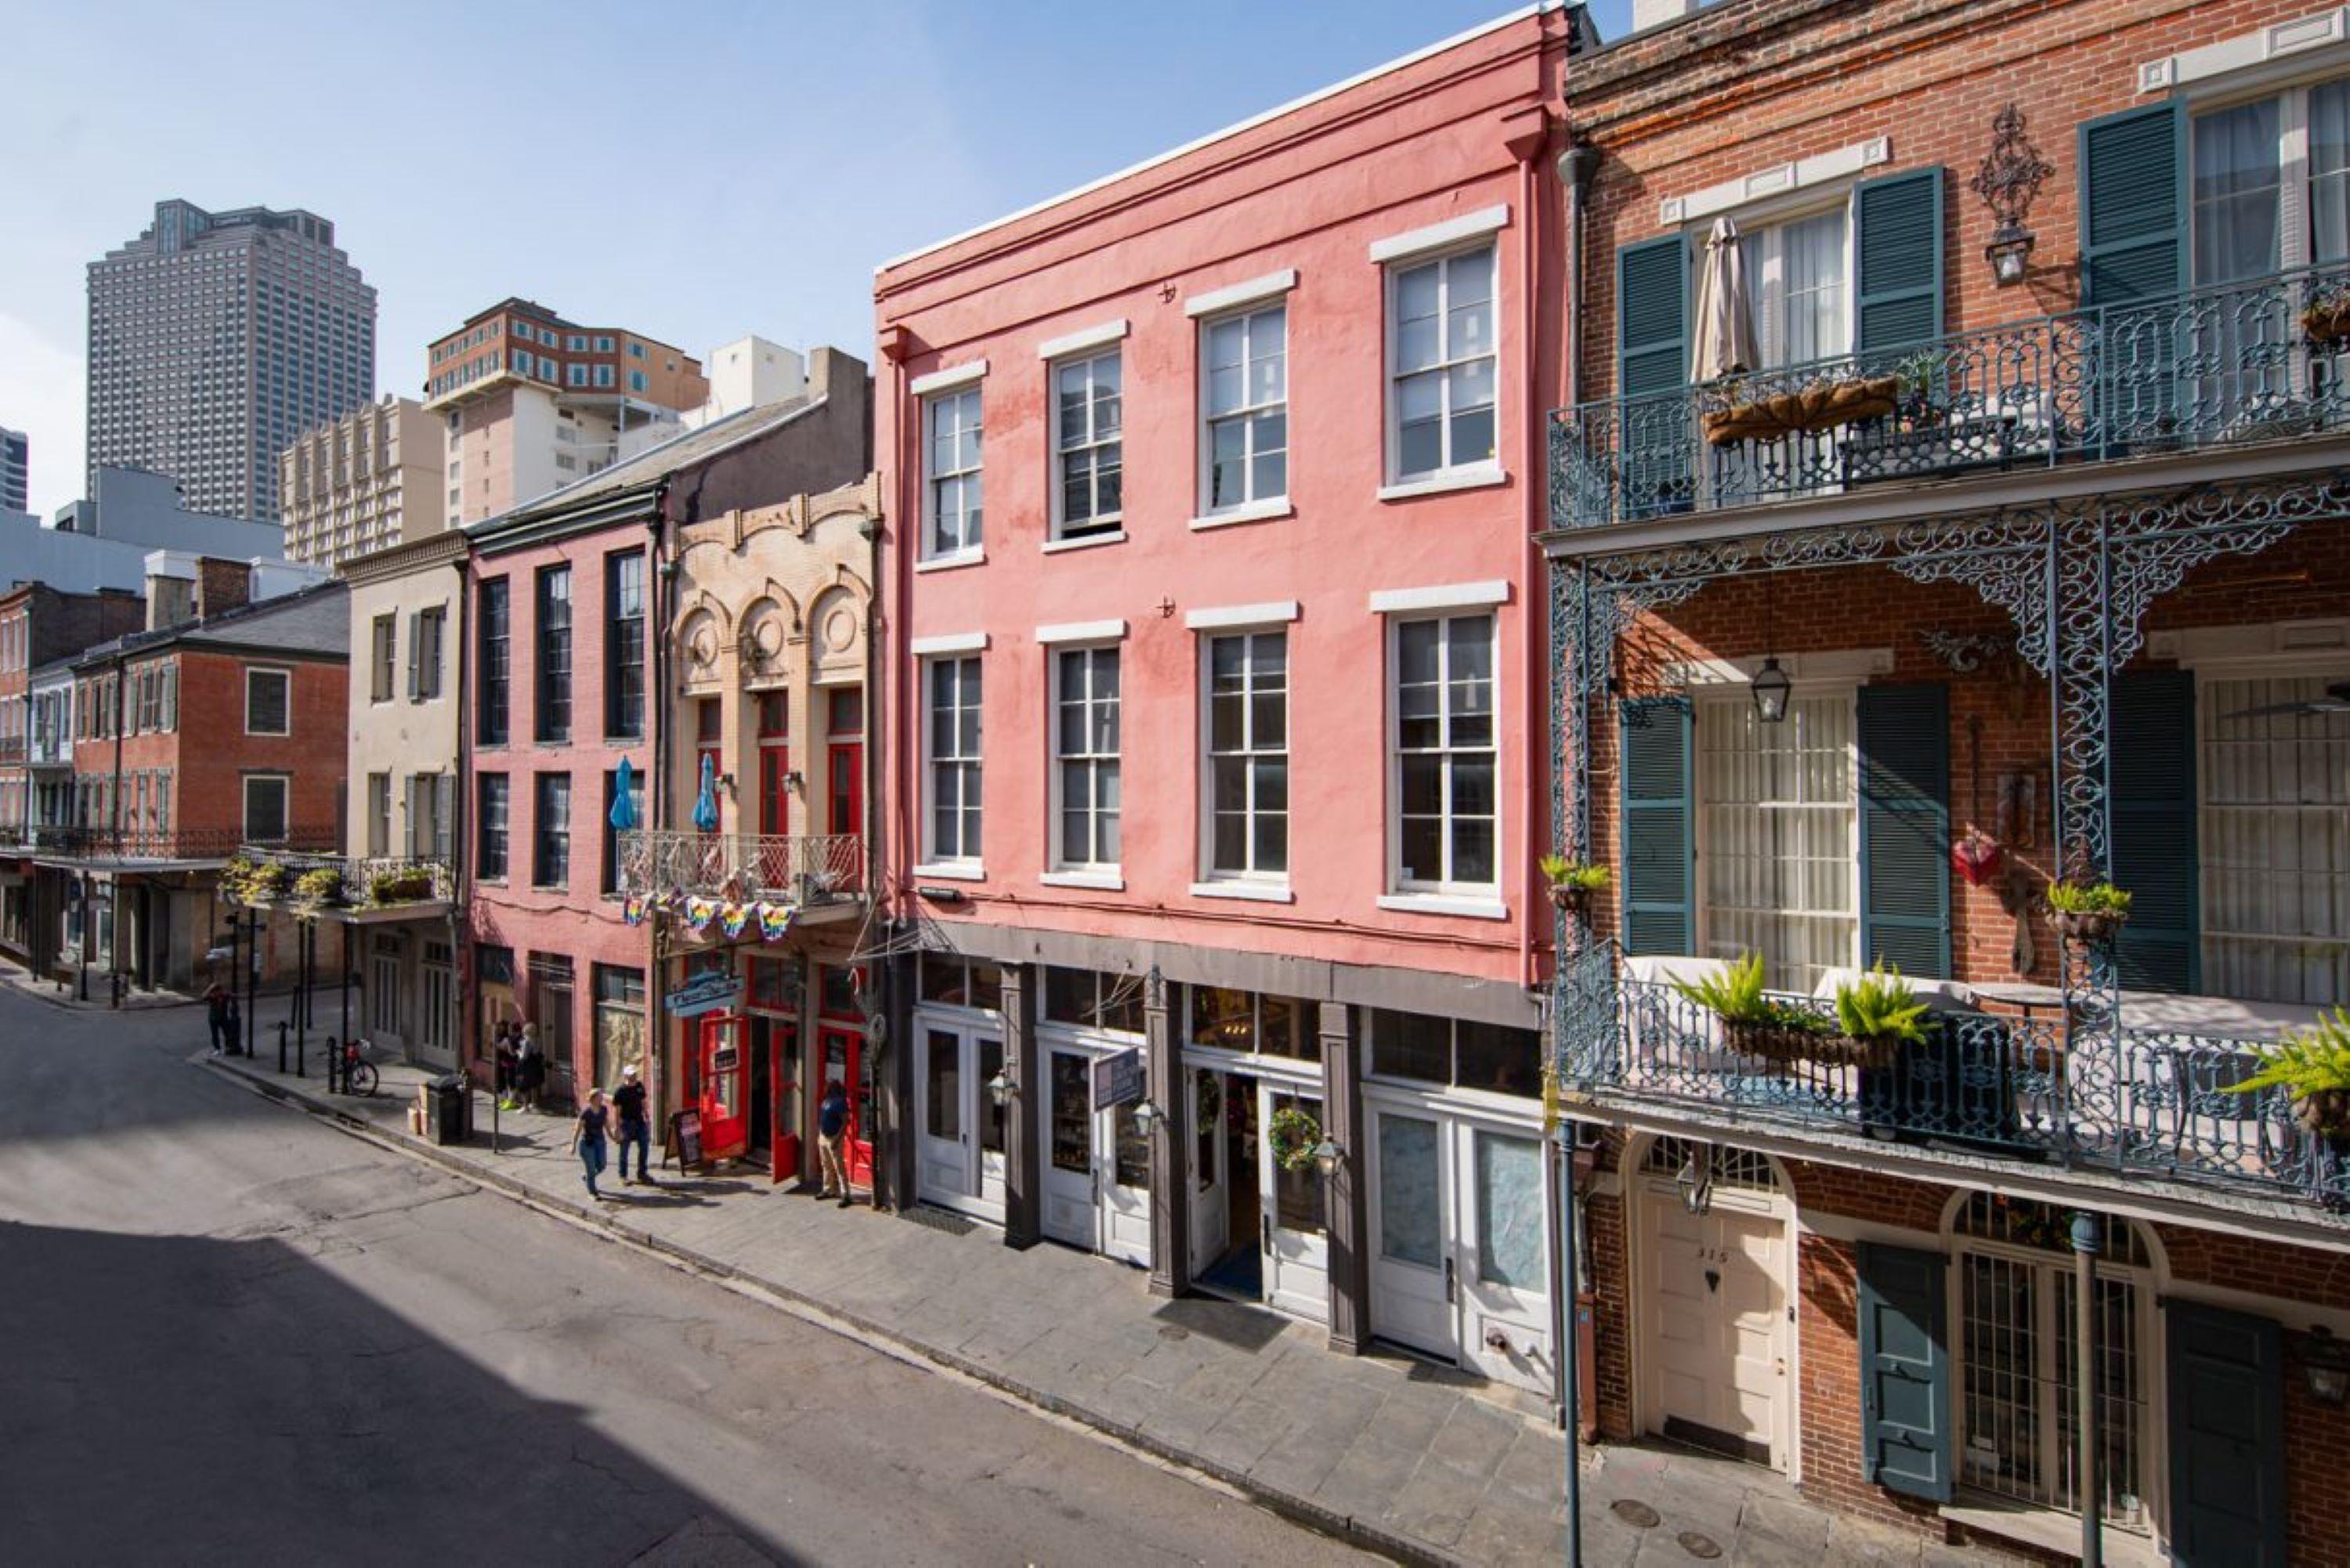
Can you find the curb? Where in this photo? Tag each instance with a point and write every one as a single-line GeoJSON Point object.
{"type": "Point", "coordinates": [850, 1325]}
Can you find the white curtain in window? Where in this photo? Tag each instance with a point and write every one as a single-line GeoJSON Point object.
{"type": "Point", "coordinates": [2239, 176]}
{"type": "Point", "coordinates": [1797, 273]}
{"type": "Point", "coordinates": [1776, 805]}
{"type": "Point", "coordinates": [2329, 171]}
{"type": "Point", "coordinates": [2274, 844]}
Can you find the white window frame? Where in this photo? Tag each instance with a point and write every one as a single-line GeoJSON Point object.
{"type": "Point", "coordinates": [1404, 891]}
{"type": "Point", "coordinates": [1448, 472]}
{"type": "Point", "coordinates": [1247, 413]}
{"type": "Point", "coordinates": [1096, 870]}
{"type": "Point", "coordinates": [2296, 247]}
{"type": "Point", "coordinates": [1101, 525]}
{"type": "Point", "coordinates": [281, 673]}
{"type": "Point", "coordinates": [1211, 874]}
{"type": "Point", "coordinates": [972, 482]}
{"type": "Point", "coordinates": [935, 861]}
{"type": "Point", "coordinates": [285, 783]}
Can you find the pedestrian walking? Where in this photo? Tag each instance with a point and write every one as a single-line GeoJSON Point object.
{"type": "Point", "coordinates": [530, 1066]}
{"type": "Point", "coordinates": [234, 1044]}
{"type": "Point", "coordinates": [506, 1041]}
{"type": "Point", "coordinates": [635, 1129]}
{"type": "Point", "coordinates": [216, 1008]}
{"type": "Point", "coordinates": [831, 1130]}
{"type": "Point", "coordinates": [588, 1137]}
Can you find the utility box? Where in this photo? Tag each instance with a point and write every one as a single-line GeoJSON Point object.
{"type": "Point", "coordinates": [445, 1108]}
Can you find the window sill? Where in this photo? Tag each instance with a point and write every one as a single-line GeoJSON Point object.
{"type": "Point", "coordinates": [1258, 892]}
{"type": "Point", "coordinates": [949, 563]}
{"type": "Point", "coordinates": [1443, 483]}
{"type": "Point", "coordinates": [1085, 542]}
{"type": "Point", "coordinates": [1101, 881]}
{"type": "Point", "coordinates": [1444, 904]}
{"type": "Point", "coordinates": [1256, 512]}
{"type": "Point", "coordinates": [951, 873]}
{"type": "Point", "coordinates": [2048, 1530]}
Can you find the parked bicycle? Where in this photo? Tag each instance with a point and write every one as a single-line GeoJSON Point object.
{"type": "Point", "coordinates": [359, 1072]}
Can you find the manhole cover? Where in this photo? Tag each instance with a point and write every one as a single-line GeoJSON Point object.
{"type": "Point", "coordinates": [1697, 1545]}
{"type": "Point", "coordinates": [1631, 1511]}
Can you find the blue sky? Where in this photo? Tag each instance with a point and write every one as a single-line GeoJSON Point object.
{"type": "Point", "coordinates": [691, 170]}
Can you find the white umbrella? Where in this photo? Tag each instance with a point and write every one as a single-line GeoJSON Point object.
{"type": "Point", "coordinates": [1725, 309]}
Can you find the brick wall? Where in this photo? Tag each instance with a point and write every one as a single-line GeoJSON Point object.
{"type": "Point", "coordinates": [211, 753]}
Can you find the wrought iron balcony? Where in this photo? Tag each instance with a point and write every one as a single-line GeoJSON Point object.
{"type": "Point", "coordinates": [802, 869]}
{"type": "Point", "coordinates": [12, 751]}
{"type": "Point", "coordinates": [2259, 360]}
{"type": "Point", "coordinates": [2148, 1102]}
{"type": "Point", "coordinates": [174, 844]}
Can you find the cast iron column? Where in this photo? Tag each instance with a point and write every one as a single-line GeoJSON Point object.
{"type": "Point", "coordinates": [1171, 1214]}
{"type": "Point", "coordinates": [2088, 1240]}
{"type": "Point", "coordinates": [1024, 1115]}
{"type": "Point", "coordinates": [1342, 1124]}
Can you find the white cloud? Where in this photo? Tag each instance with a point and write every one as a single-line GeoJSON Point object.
{"type": "Point", "coordinates": [41, 394]}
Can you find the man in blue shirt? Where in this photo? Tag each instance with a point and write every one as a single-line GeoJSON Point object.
{"type": "Point", "coordinates": [831, 1129]}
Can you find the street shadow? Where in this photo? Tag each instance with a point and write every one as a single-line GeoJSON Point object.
{"type": "Point", "coordinates": [1227, 1323]}
{"type": "Point", "coordinates": [197, 1400]}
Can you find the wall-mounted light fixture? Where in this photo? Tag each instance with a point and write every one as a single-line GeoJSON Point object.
{"type": "Point", "coordinates": [1327, 1157]}
{"type": "Point", "coordinates": [1769, 688]}
{"type": "Point", "coordinates": [2008, 181]}
{"type": "Point", "coordinates": [1147, 1114]}
{"type": "Point", "coordinates": [1001, 1091]}
{"type": "Point", "coordinates": [2325, 1366]}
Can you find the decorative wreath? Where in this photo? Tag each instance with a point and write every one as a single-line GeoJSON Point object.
{"type": "Point", "coordinates": [1210, 1099]}
{"type": "Point", "coordinates": [1296, 1136]}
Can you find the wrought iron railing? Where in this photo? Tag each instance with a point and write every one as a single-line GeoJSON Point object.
{"type": "Point", "coordinates": [12, 750]}
{"type": "Point", "coordinates": [174, 844]}
{"type": "Point", "coordinates": [2248, 361]}
{"type": "Point", "coordinates": [798, 868]}
{"type": "Point", "coordinates": [302, 879]}
{"type": "Point", "coordinates": [2135, 1100]}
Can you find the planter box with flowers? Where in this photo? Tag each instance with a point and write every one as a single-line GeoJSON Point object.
{"type": "Point", "coordinates": [1574, 884]}
{"type": "Point", "coordinates": [320, 887]}
{"type": "Point", "coordinates": [408, 886]}
{"type": "Point", "coordinates": [245, 881]}
{"type": "Point", "coordinates": [1822, 405]}
{"type": "Point", "coordinates": [2325, 320]}
{"type": "Point", "coordinates": [2089, 912]}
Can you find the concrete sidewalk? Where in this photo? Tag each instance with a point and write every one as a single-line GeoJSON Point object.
{"type": "Point", "coordinates": [1405, 1457]}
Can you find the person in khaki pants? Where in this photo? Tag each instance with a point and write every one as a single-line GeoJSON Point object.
{"type": "Point", "coordinates": [831, 1131]}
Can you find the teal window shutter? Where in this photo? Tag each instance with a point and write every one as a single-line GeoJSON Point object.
{"type": "Point", "coordinates": [1652, 315]}
{"type": "Point", "coordinates": [2225, 1385]}
{"type": "Point", "coordinates": [1659, 849]}
{"type": "Point", "coordinates": [2151, 734]}
{"type": "Point", "coordinates": [1905, 1372]}
{"type": "Point", "coordinates": [1897, 244]}
{"type": "Point", "coordinates": [2133, 206]}
{"type": "Point", "coordinates": [1905, 827]}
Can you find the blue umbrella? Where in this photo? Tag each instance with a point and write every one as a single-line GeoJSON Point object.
{"type": "Point", "coordinates": [705, 805]}
{"type": "Point", "coordinates": [624, 799]}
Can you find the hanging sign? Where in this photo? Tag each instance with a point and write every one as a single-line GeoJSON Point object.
{"type": "Point", "coordinates": [717, 992]}
{"type": "Point", "coordinates": [1117, 1079]}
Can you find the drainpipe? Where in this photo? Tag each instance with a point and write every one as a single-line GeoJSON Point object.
{"type": "Point", "coordinates": [1527, 145]}
{"type": "Point", "coordinates": [461, 840]}
{"type": "Point", "coordinates": [664, 574]}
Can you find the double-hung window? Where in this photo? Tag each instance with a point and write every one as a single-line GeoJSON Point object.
{"type": "Point", "coordinates": [268, 697]}
{"type": "Point", "coordinates": [951, 501]}
{"type": "Point", "coordinates": [1244, 393]}
{"type": "Point", "coordinates": [953, 782]}
{"type": "Point", "coordinates": [493, 681]}
{"type": "Point", "coordinates": [265, 807]}
{"type": "Point", "coordinates": [1446, 755]}
{"type": "Point", "coordinates": [554, 714]}
{"type": "Point", "coordinates": [2271, 183]}
{"type": "Point", "coordinates": [424, 654]}
{"type": "Point", "coordinates": [379, 815]}
{"type": "Point", "coordinates": [1779, 834]}
{"type": "Point", "coordinates": [1089, 498]}
{"type": "Point", "coordinates": [624, 645]}
{"type": "Point", "coordinates": [550, 865]}
{"type": "Point", "coordinates": [385, 636]}
{"type": "Point", "coordinates": [1085, 758]}
{"type": "Point", "coordinates": [1247, 755]}
{"type": "Point", "coordinates": [1441, 358]}
{"type": "Point", "coordinates": [489, 830]}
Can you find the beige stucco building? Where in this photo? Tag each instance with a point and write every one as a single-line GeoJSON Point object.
{"type": "Point", "coordinates": [362, 483]}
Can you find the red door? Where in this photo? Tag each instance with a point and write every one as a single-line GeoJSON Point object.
{"type": "Point", "coordinates": [782, 1043]}
{"type": "Point", "coordinates": [725, 1065]}
{"type": "Point", "coordinates": [846, 803]}
{"type": "Point", "coordinates": [844, 1053]}
{"type": "Point", "coordinates": [775, 794]}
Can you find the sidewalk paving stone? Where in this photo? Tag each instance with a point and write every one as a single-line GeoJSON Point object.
{"type": "Point", "coordinates": [1419, 1460]}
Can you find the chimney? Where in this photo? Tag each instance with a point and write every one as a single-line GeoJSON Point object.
{"type": "Point", "coordinates": [170, 589]}
{"type": "Point", "coordinates": [1646, 14]}
{"type": "Point", "coordinates": [221, 585]}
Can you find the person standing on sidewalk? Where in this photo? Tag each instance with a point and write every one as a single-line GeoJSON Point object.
{"type": "Point", "coordinates": [588, 1137]}
{"type": "Point", "coordinates": [831, 1130]}
{"type": "Point", "coordinates": [636, 1131]}
{"type": "Point", "coordinates": [530, 1067]}
{"type": "Point", "coordinates": [217, 1013]}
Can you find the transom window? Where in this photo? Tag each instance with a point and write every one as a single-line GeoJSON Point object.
{"type": "Point", "coordinates": [953, 496]}
{"type": "Point", "coordinates": [1246, 388]}
{"type": "Point", "coordinates": [1779, 818]}
{"type": "Point", "coordinates": [954, 760]}
{"type": "Point", "coordinates": [1446, 762]}
{"type": "Point", "coordinates": [1248, 754]}
{"type": "Point", "coordinates": [1085, 750]}
{"type": "Point", "coordinates": [1253, 1024]}
{"type": "Point", "coordinates": [1442, 364]}
{"type": "Point", "coordinates": [955, 982]}
{"type": "Point", "coordinates": [2275, 842]}
{"type": "Point", "coordinates": [1094, 999]}
{"type": "Point", "coordinates": [1458, 1052]}
{"type": "Point", "coordinates": [1087, 425]}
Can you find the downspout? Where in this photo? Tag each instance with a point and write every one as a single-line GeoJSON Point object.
{"type": "Point", "coordinates": [461, 831]}
{"type": "Point", "coordinates": [664, 573]}
{"type": "Point", "coordinates": [1535, 496]}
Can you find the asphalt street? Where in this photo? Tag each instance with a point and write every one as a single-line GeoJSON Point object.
{"type": "Point", "coordinates": [230, 1333]}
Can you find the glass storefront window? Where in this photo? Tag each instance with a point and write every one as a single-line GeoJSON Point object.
{"type": "Point", "coordinates": [1463, 1054]}
{"type": "Point", "coordinates": [1093, 999]}
{"type": "Point", "coordinates": [961, 982]}
{"type": "Point", "coordinates": [1252, 1023]}
{"type": "Point", "coordinates": [1072, 1099]}
{"type": "Point", "coordinates": [990, 1115]}
{"type": "Point", "coordinates": [1299, 1197]}
{"type": "Point", "coordinates": [1133, 1150]}
{"type": "Point", "coordinates": [944, 1113]}
{"type": "Point", "coordinates": [1411, 1046]}
{"type": "Point", "coordinates": [1510, 1211]}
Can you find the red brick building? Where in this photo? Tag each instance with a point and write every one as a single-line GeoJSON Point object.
{"type": "Point", "coordinates": [192, 741]}
{"type": "Point", "coordinates": [2005, 546]}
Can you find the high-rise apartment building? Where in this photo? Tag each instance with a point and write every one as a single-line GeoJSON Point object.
{"type": "Point", "coordinates": [215, 339]}
{"type": "Point", "coordinates": [15, 486]}
{"type": "Point", "coordinates": [362, 483]}
{"type": "Point", "coordinates": [533, 403]}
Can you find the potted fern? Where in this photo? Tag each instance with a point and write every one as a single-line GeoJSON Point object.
{"type": "Point", "coordinates": [1881, 1014]}
{"type": "Point", "coordinates": [1756, 1024]}
{"type": "Point", "coordinates": [319, 886]}
{"type": "Point", "coordinates": [1573, 883]}
{"type": "Point", "coordinates": [2313, 1067]}
{"type": "Point", "coordinates": [2088, 911]}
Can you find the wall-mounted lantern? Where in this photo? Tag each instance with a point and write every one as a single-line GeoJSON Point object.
{"type": "Point", "coordinates": [2008, 181]}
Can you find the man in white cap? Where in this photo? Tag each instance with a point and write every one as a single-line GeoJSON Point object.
{"type": "Point", "coordinates": [636, 1130]}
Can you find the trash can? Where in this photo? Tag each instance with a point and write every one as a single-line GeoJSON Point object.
{"type": "Point", "coordinates": [448, 1112]}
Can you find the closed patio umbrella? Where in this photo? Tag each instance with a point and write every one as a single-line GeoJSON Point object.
{"type": "Point", "coordinates": [705, 805]}
{"type": "Point", "coordinates": [624, 804]}
{"type": "Point", "coordinates": [1725, 309]}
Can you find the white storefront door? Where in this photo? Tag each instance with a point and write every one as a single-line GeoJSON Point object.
{"type": "Point", "coordinates": [1414, 1292]}
{"type": "Point", "coordinates": [383, 997]}
{"type": "Point", "coordinates": [1715, 1321]}
{"type": "Point", "coordinates": [960, 1142]}
{"type": "Point", "coordinates": [1211, 1197]}
{"type": "Point", "coordinates": [436, 1031]}
{"type": "Point", "coordinates": [1296, 1224]}
{"type": "Point", "coordinates": [1097, 1187]}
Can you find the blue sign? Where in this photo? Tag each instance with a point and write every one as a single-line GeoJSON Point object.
{"type": "Point", "coordinates": [713, 993]}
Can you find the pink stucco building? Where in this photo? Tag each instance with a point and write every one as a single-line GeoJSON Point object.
{"type": "Point", "coordinates": [1214, 704]}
